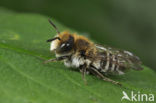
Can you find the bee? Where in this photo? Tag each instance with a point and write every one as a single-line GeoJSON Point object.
{"type": "Point", "coordinates": [89, 58]}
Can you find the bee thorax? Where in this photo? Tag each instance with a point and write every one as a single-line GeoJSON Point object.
{"type": "Point", "coordinates": [76, 61]}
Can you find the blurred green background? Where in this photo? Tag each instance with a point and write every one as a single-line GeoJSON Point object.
{"type": "Point", "coordinates": [125, 24]}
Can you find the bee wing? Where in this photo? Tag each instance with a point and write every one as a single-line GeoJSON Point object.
{"type": "Point", "coordinates": [125, 59]}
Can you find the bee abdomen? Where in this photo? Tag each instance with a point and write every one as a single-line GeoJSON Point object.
{"type": "Point", "coordinates": [110, 63]}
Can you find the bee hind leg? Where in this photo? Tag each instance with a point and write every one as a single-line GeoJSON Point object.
{"type": "Point", "coordinates": [95, 72]}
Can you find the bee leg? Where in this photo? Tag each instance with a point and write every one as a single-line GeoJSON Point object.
{"type": "Point", "coordinates": [50, 60]}
{"type": "Point", "coordinates": [83, 71]}
{"type": "Point", "coordinates": [55, 59]}
{"type": "Point", "coordinates": [105, 78]}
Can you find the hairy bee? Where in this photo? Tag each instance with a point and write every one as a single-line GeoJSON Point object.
{"type": "Point", "coordinates": [79, 52]}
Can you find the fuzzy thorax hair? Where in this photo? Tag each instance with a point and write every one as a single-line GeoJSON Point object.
{"type": "Point", "coordinates": [80, 43]}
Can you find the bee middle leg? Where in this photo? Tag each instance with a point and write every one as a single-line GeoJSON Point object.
{"type": "Point", "coordinates": [96, 72]}
{"type": "Point", "coordinates": [83, 70]}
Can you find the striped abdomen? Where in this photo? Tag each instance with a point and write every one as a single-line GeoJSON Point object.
{"type": "Point", "coordinates": [111, 63]}
{"type": "Point", "coordinates": [116, 61]}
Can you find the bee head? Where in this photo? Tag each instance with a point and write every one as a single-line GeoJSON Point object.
{"type": "Point", "coordinates": [62, 43]}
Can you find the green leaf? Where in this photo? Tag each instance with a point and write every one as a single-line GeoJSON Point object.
{"type": "Point", "coordinates": [25, 79]}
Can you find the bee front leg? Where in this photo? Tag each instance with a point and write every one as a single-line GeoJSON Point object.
{"type": "Point", "coordinates": [50, 60]}
{"type": "Point", "coordinates": [105, 78]}
{"type": "Point", "coordinates": [55, 59]}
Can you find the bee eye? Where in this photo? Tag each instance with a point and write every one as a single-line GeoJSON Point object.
{"type": "Point", "coordinates": [66, 46]}
{"type": "Point", "coordinates": [63, 45]}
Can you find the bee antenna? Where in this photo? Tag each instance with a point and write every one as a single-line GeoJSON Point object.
{"type": "Point", "coordinates": [49, 40]}
{"type": "Point", "coordinates": [54, 26]}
